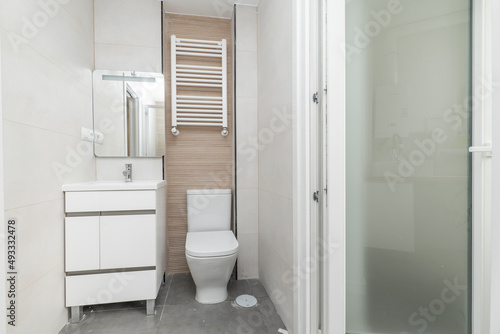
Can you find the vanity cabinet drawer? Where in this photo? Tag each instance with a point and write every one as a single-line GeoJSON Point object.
{"type": "Point", "coordinates": [82, 243]}
{"type": "Point", "coordinates": [110, 287]}
{"type": "Point", "coordinates": [94, 201]}
{"type": "Point", "coordinates": [127, 241]}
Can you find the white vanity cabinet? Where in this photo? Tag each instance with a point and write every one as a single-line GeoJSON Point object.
{"type": "Point", "coordinates": [115, 243]}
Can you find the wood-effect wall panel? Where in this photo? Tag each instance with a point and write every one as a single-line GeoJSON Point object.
{"type": "Point", "coordinates": [200, 157]}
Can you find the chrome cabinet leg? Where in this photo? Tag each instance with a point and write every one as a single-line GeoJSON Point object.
{"type": "Point", "coordinates": [76, 314]}
{"type": "Point", "coordinates": [150, 307]}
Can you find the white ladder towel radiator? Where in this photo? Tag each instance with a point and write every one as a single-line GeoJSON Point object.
{"type": "Point", "coordinates": [195, 110]}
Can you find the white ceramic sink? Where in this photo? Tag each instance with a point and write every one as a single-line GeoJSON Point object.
{"type": "Point", "coordinates": [114, 185]}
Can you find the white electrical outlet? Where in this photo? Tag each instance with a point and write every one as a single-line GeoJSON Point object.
{"type": "Point", "coordinates": [87, 134]}
{"type": "Point", "coordinates": [98, 137]}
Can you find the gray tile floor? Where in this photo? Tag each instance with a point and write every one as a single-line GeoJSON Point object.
{"type": "Point", "coordinates": [177, 312]}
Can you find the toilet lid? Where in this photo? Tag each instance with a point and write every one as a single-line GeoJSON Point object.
{"type": "Point", "coordinates": [210, 244]}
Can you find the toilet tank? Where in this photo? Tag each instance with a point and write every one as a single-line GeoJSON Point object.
{"type": "Point", "coordinates": [209, 210]}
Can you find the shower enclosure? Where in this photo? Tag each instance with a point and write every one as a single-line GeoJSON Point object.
{"type": "Point", "coordinates": [408, 168]}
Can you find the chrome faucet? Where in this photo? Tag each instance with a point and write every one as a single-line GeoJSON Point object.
{"type": "Point", "coordinates": [128, 172]}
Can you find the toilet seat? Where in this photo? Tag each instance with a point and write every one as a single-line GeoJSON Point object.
{"type": "Point", "coordinates": [211, 244]}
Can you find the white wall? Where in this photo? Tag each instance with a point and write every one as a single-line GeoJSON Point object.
{"type": "Point", "coordinates": [128, 37]}
{"type": "Point", "coordinates": [47, 60]}
{"type": "Point", "coordinates": [247, 158]}
{"type": "Point", "coordinates": [276, 152]}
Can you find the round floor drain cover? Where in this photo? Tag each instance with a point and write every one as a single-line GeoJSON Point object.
{"type": "Point", "coordinates": [246, 301]}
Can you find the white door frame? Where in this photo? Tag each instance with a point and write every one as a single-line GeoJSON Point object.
{"type": "Point", "coordinates": [481, 166]}
{"type": "Point", "coordinates": [495, 214]}
{"type": "Point", "coordinates": [334, 290]}
{"type": "Point", "coordinates": [334, 265]}
{"type": "Point", "coordinates": [306, 80]}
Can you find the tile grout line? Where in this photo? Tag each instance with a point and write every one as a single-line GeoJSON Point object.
{"type": "Point", "coordinates": [161, 316]}
{"type": "Point", "coordinates": [164, 304]}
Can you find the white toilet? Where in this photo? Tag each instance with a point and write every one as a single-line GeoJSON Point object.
{"type": "Point", "coordinates": [211, 247]}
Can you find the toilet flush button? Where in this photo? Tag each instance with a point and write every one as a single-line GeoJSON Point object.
{"type": "Point", "coordinates": [246, 301]}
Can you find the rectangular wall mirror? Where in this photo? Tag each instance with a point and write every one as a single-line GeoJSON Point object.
{"type": "Point", "coordinates": [129, 114]}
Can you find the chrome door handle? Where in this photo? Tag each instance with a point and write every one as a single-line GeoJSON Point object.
{"type": "Point", "coordinates": [487, 149]}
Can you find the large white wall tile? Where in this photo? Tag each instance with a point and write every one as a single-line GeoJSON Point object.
{"type": "Point", "coordinates": [275, 77]}
{"type": "Point", "coordinates": [40, 162]}
{"type": "Point", "coordinates": [247, 171]}
{"type": "Point", "coordinates": [275, 29]}
{"type": "Point", "coordinates": [248, 258]}
{"type": "Point", "coordinates": [246, 73]}
{"type": "Point", "coordinates": [110, 169]}
{"type": "Point", "coordinates": [248, 210]}
{"type": "Point", "coordinates": [247, 117]}
{"type": "Point", "coordinates": [246, 142]}
{"type": "Point", "coordinates": [275, 109]}
{"type": "Point", "coordinates": [128, 35]}
{"type": "Point", "coordinates": [40, 228]}
{"type": "Point", "coordinates": [83, 14]}
{"type": "Point", "coordinates": [269, 268]}
{"type": "Point", "coordinates": [246, 28]}
{"type": "Point", "coordinates": [277, 278]}
{"type": "Point", "coordinates": [50, 98]}
{"type": "Point", "coordinates": [41, 305]}
{"type": "Point", "coordinates": [275, 63]}
{"type": "Point", "coordinates": [128, 22]}
{"type": "Point", "coordinates": [276, 165]}
{"type": "Point", "coordinates": [276, 224]}
{"type": "Point", "coordinates": [284, 295]}
{"type": "Point", "coordinates": [128, 58]}
{"type": "Point", "coordinates": [48, 31]}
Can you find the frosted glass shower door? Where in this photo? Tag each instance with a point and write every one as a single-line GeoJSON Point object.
{"type": "Point", "coordinates": [408, 245]}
